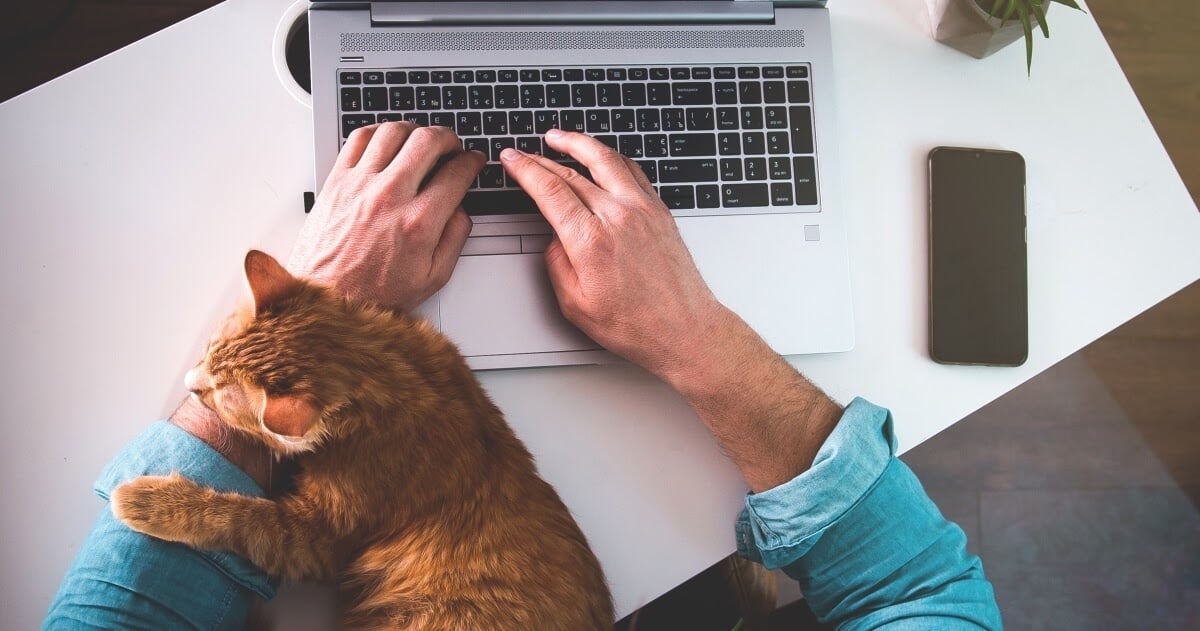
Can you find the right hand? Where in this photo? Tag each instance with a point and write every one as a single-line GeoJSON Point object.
{"type": "Point", "coordinates": [618, 264]}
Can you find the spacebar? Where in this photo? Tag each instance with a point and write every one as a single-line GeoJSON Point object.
{"type": "Point", "coordinates": [498, 203]}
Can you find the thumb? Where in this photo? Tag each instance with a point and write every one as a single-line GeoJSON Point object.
{"type": "Point", "coordinates": [563, 277]}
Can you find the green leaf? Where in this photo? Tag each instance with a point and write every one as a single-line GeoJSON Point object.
{"type": "Point", "coordinates": [1010, 10]}
{"type": "Point", "coordinates": [1028, 28]}
{"type": "Point", "coordinates": [1041, 17]}
{"type": "Point", "coordinates": [1069, 3]}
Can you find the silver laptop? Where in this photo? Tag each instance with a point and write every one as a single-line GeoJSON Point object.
{"type": "Point", "coordinates": [726, 105]}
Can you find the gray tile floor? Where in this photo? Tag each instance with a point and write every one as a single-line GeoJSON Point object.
{"type": "Point", "coordinates": [1078, 523]}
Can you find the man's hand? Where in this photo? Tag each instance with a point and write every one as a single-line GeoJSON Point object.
{"type": "Point", "coordinates": [389, 226]}
{"type": "Point", "coordinates": [619, 267]}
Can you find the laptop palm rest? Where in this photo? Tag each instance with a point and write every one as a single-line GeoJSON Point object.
{"type": "Point", "coordinates": [503, 305]}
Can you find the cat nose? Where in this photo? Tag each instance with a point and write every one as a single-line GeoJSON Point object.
{"type": "Point", "coordinates": [197, 381]}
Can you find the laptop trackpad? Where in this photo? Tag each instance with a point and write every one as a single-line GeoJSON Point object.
{"type": "Point", "coordinates": [504, 305]}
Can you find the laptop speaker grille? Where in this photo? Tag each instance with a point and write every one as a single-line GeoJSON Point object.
{"type": "Point", "coordinates": [574, 40]}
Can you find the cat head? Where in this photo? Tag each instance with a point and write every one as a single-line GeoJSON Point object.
{"type": "Point", "coordinates": [266, 369]}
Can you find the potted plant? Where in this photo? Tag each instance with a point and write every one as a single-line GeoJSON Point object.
{"type": "Point", "coordinates": [981, 27]}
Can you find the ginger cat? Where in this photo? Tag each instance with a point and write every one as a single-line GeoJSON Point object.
{"type": "Point", "coordinates": [413, 492]}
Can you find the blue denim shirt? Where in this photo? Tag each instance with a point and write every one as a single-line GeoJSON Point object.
{"type": "Point", "coordinates": [857, 530]}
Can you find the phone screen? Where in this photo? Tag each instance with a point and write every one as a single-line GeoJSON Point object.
{"type": "Point", "coordinates": [978, 309]}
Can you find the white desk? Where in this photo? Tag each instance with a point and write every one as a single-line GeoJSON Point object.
{"type": "Point", "coordinates": [131, 188]}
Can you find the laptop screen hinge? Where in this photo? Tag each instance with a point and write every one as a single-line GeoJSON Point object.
{"type": "Point", "coordinates": [576, 12]}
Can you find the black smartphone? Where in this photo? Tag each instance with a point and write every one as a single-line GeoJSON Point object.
{"type": "Point", "coordinates": [978, 299]}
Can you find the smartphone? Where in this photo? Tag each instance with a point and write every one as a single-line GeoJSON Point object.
{"type": "Point", "coordinates": [979, 294]}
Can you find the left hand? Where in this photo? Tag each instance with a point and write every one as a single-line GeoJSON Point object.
{"type": "Point", "coordinates": [376, 233]}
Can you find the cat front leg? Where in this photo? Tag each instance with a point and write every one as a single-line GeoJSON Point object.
{"type": "Point", "coordinates": [273, 535]}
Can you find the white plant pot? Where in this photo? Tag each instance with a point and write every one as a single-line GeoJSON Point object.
{"type": "Point", "coordinates": [966, 26]}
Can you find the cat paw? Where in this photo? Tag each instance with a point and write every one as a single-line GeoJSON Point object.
{"type": "Point", "coordinates": [157, 505]}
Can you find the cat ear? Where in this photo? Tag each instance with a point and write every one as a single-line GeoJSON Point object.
{"type": "Point", "coordinates": [268, 280]}
{"type": "Point", "coordinates": [289, 415]}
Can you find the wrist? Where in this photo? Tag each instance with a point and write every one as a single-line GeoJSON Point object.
{"type": "Point", "coordinates": [249, 455]}
{"type": "Point", "coordinates": [716, 354]}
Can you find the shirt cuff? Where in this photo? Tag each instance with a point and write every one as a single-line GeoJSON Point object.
{"type": "Point", "coordinates": [780, 525]}
{"type": "Point", "coordinates": [165, 448]}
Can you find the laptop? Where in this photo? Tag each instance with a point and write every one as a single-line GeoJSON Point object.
{"type": "Point", "coordinates": [726, 106]}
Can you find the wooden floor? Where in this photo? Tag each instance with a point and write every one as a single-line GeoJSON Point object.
{"type": "Point", "coordinates": [1075, 487]}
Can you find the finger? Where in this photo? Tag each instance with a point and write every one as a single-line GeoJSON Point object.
{"type": "Point", "coordinates": [425, 146]}
{"type": "Point", "coordinates": [449, 184]}
{"type": "Point", "coordinates": [450, 246]}
{"type": "Point", "coordinates": [607, 166]}
{"type": "Point", "coordinates": [639, 176]}
{"type": "Point", "coordinates": [553, 196]}
{"type": "Point", "coordinates": [353, 148]}
{"type": "Point", "coordinates": [388, 139]}
{"type": "Point", "coordinates": [585, 189]}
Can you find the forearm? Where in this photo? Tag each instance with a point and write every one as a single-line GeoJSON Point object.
{"type": "Point", "coordinates": [766, 416]}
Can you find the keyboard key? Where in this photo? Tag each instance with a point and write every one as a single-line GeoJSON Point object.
{"type": "Point", "coordinates": [681, 74]}
{"type": "Point", "coordinates": [638, 74]}
{"type": "Point", "coordinates": [687, 145]}
{"type": "Point", "coordinates": [650, 168]}
{"type": "Point", "coordinates": [552, 75]}
{"type": "Point", "coordinates": [507, 76]}
{"type": "Point", "coordinates": [616, 74]}
{"type": "Point", "coordinates": [583, 95]}
{"type": "Point", "coordinates": [507, 97]}
{"type": "Point", "coordinates": [673, 119]}
{"type": "Point", "coordinates": [558, 95]}
{"type": "Point", "coordinates": [800, 121]}
{"type": "Point", "coordinates": [729, 118]}
{"type": "Point", "coordinates": [468, 124]}
{"type": "Point", "coordinates": [756, 168]}
{"type": "Point", "coordinates": [498, 203]}
{"type": "Point", "coordinates": [485, 76]}
{"type": "Point", "coordinates": [388, 117]}
{"type": "Point", "coordinates": [630, 146]}
{"type": "Point", "coordinates": [420, 119]}
{"type": "Point", "coordinates": [772, 72]}
{"type": "Point", "coordinates": [480, 97]}
{"type": "Point", "coordinates": [375, 99]}
{"type": "Point", "coordinates": [531, 74]}
{"type": "Point", "coordinates": [678, 197]}
{"type": "Point", "coordinates": [752, 118]}
{"type": "Point", "coordinates": [797, 92]}
{"type": "Point", "coordinates": [660, 74]}
{"type": "Point", "coordinates": [571, 120]}
{"type": "Point", "coordinates": [727, 93]}
{"type": "Point", "coordinates": [708, 196]}
{"type": "Point", "coordinates": [797, 72]}
{"type": "Point", "coordinates": [749, 93]}
{"type": "Point", "coordinates": [633, 94]}
{"type": "Point", "coordinates": [442, 119]}
{"type": "Point", "coordinates": [573, 74]}
{"type": "Point", "coordinates": [699, 170]}
{"type": "Point", "coordinates": [476, 144]}
{"type": "Point", "coordinates": [701, 73]}
{"type": "Point", "coordinates": [623, 121]}
{"type": "Point", "coordinates": [608, 95]}
{"type": "Point", "coordinates": [597, 123]}
{"type": "Point", "coordinates": [658, 94]}
{"type": "Point", "coordinates": [744, 195]}
{"type": "Point", "coordinates": [373, 77]}
{"type": "Point", "coordinates": [780, 168]}
{"type": "Point", "coordinates": [731, 169]}
{"type": "Point", "coordinates": [544, 121]}
{"type": "Point", "coordinates": [776, 117]}
{"type": "Point", "coordinates": [429, 97]}
{"type": "Point", "coordinates": [729, 144]}
{"type": "Point", "coordinates": [700, 119]}
{"type": "Point", "coordinates": [529, 144]}
{"type": "Point", "coordinates": [351, 122]}
{"type": "Point", "coordinates": [440, 76]}
{"type": "Point", "coordinates": [781, 194]}
{"type": "Point", "coordinates": [725, 72]}
{"type": "Point", "coordinates": [747, 72]}
{"type": "Point", "coordinates": [349, 78]}
{"type": "Point", "coordinates": [656, 145]}
{"type": "Point", "coordinates": [773, 92]}
{"type": "Point", "coordinates": [647, 120]}
{"type": "Point", "coordinates": [402, 98]}
{"type": "Point", "coordinates": [464, 76]}
{"type": "Point", "coordinates": [396, 76]}
{"type": "Point", "coordinates": [500, 144]}
{"type": "Point", "coordinates": [804, 172]}
{"type": "Point", "coordinates": [495, 123]}
{"type": "Point", "coordinates": [533, 96]}
{"type": "Point", "coordinates": [418, 76]}
{"type": "Point", "coordinates": [454, 97]}
{"type": "Point", "coordinates": [594, 74]}
{"type": "Point", "coordinates": [777, 142]}
{"type": "Point", "coordinates": [351, 99]}
{"type": "Point", "coordinates": [608, 139]}
{"type": "Point", "coordinates": [520, 123]}
{"type": "Point", "coordinates": [492, 176]}
{"type": "Point", "coordinates": [692, 93]}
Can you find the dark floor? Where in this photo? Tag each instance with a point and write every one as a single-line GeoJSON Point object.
{"type": "Point", "coordinates": [1080, 488]}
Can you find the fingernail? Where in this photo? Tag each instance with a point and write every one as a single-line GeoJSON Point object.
{"type": "Point", "coordinates": [479, 153]}
{"type": "Point", "coordinates": [510, 154]}
{"type": "Point", "coordinates": [554, 132]}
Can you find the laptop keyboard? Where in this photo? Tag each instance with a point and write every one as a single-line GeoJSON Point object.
{"type": "Point", "coordinates": [708, 137]}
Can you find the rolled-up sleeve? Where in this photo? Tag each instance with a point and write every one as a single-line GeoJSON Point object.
{"type": "Point", "coordinates": [122, 579]}
{"type": "Point", "coordinates": [868, 546]}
